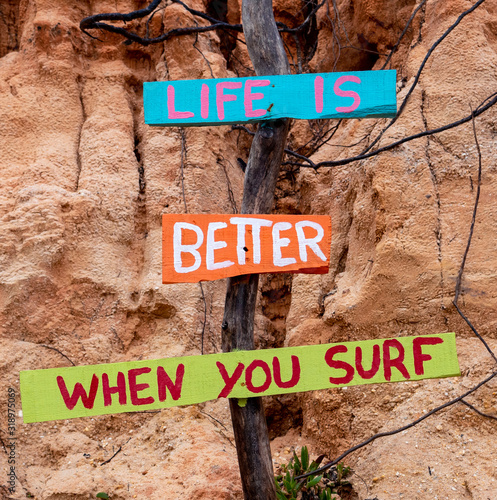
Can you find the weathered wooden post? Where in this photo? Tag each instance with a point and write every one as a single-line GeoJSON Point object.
{"type": "Point", "coordinates": [249, 422]}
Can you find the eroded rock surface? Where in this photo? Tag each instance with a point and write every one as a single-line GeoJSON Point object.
{"type": "Point", "coordinates": [84, 184]}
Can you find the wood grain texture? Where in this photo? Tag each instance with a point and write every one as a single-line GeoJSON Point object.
{"type": "Point", "coordinates": [361, 94]}
{"type": "Point", "coordinates": [249, 422]}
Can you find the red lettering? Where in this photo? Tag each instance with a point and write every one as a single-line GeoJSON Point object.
{"type": "Point", "coordinates": [419, 357]}
{"type": "Point", "coordinates": [295, 373]}
{"type": "Point", "coordinates": [339, 365]}
{"type": "Point", "coordinates": [135, 388]}
{"type": "Point", "coordinates": [79, 391]}
{"type": "Point", "coordinates": [258, 363]}
{"type": "Point", "coordinates": [229, 381]}
{"type": "Point", "coordinates": [375, 364]}
{"type": "Point", "coordinates": [397, 362]}
{"type": "Point", "coordinates": [119, 388]}
{"type": "Point", "coordinates": [164, 381]}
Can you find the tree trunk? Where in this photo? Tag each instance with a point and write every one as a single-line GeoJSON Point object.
{"type": "Point", "coordinates": [249, 423]}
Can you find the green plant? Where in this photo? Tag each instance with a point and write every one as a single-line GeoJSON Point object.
{"type": "Point", "coordinates": [103, 495]}
{"type": "Point", "coordinates": [315, 487]}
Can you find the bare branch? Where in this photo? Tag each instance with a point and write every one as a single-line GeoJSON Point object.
{"type": "Point", "coordinates": [396, 46]}
{"type": "Point", "coordinates": [478, 411]}
{"type": "Point", "coordinates": [118, 451]}
{"type": "Point", "coordinates": [396, 431]}
{"type": "Point", "coordinates": [484, 106]}
{"type": "Point", "coordinates": [56, 350]}
{"type": "Point", "coordinates": [461, 269]}
{"type": "Point", "coordinates": [96, 22]}
{"type": "Point", "coordinates": [458, 287]}
{"type": "Point", "coordinates": [473, 219]}
{"type": "Point", "coordinates": [420, 69]}
{"type": "Point", "coordinates": [204, 322]}
{"type": "Point", "coordinates": [182, 165]}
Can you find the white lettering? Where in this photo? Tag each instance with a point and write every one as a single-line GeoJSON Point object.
{"type": "Point", "coordinates": [212, 245]}
{"type": "Point", "coordinates": [279, 243]}
{"type": "Point", "coordinates": [312, 243]}
{"type": "Point", "coordinates": [256, 224]}
{"type": "Point", "coordinates": [179, 248]}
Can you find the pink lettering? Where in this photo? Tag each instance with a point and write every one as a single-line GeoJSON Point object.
{"type": "Point", "coordinates": [347, 93]}
{"type": "Point", "coordinates": [318, 93]}
{"type": "Point", "coordinates": [172, 113]}
{"type": "Point", "coordinates": [204, 101]}
{"type": "Point", "coordinates": [249, 97]}
{"type": "Point", "coordinates": [221, 98]}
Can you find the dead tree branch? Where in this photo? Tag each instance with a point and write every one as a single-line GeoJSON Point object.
{"type": "Point", "coordinates": [396, 431]}
{"type": "Point", "coordinates": [457, 293]}
{"type": "Point", "coordinates": [404, 31]}
{"type": "Point", "coordinates": [484, 106]}
{"type": "Point", "coordinates": [118, 451]}
{"type": "Point", "coordinates": [447, 32]}
{"type": "Point", "coordinates": [367, 153]}
{"type": "Point", "coordinates": [101, 22]}
{"type": "Point", "coordinates": [466, 251]}
{"type": "Point", "coordinates": [476, 410]}
{"type": "Point", "coordinates": [56, 350]}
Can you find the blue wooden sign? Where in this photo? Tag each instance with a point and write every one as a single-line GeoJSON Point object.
{"type": "Point", "coordinates": [225, 101]}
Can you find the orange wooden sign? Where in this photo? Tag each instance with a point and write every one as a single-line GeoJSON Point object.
{"type": "Point", "coordinates": [205, 247]}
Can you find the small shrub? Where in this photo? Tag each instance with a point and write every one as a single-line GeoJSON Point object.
{"type": "Point", "coordinates": [316, 487]}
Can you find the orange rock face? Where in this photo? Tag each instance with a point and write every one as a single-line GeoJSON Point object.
{"type": "Point", "coordinates": [84, 185]}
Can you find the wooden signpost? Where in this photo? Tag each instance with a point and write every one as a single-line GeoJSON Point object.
{"type": "Point", "coordinates": [202, 247]}
{"type": "Point", "coordinates": [84, 391]}
{"type": "Point", "coordinates": [186, 103]}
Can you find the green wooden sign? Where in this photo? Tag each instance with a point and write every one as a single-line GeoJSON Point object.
{"type": "Point", "coordinates": [360, 94]}
{"type": "Point", "coordinates": [84, 391]}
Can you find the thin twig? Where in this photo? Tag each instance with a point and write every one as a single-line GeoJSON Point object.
{"type": "Point", "coordinates": [335, 163]}
{"type": "Point", "coordinates": [56, 350]}
{"type": "Point", "coordinates": [420, 69]}
{"type": "Point", "coordinates": [466, 251]}
{"type": "Point", "coordinates": [478, 411]}
{"type": "Point", "coordinates": [205, 319]}
{"type": "Point", "coordinates": [473, 219]}
{"type": "Point", "coordinates": [182, 165]}
{"type": "Point", "coordinates": [455, 400]}
{"type": "Point", "coordinates": [215, 419]}
{"type": "Point", "coordinates": [475, 331]}
{"type": "Point", "coordinates": [202, 54]}
{"type": "Point", "coordinates": [396, 431]}
{"type": "Point", "coordinates": [396, 46]}
{"type": "Point", "coordinates": [118, 451]}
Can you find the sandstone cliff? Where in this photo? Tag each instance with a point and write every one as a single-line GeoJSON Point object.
{"type": "Point", "coordinates": [84, 183]}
